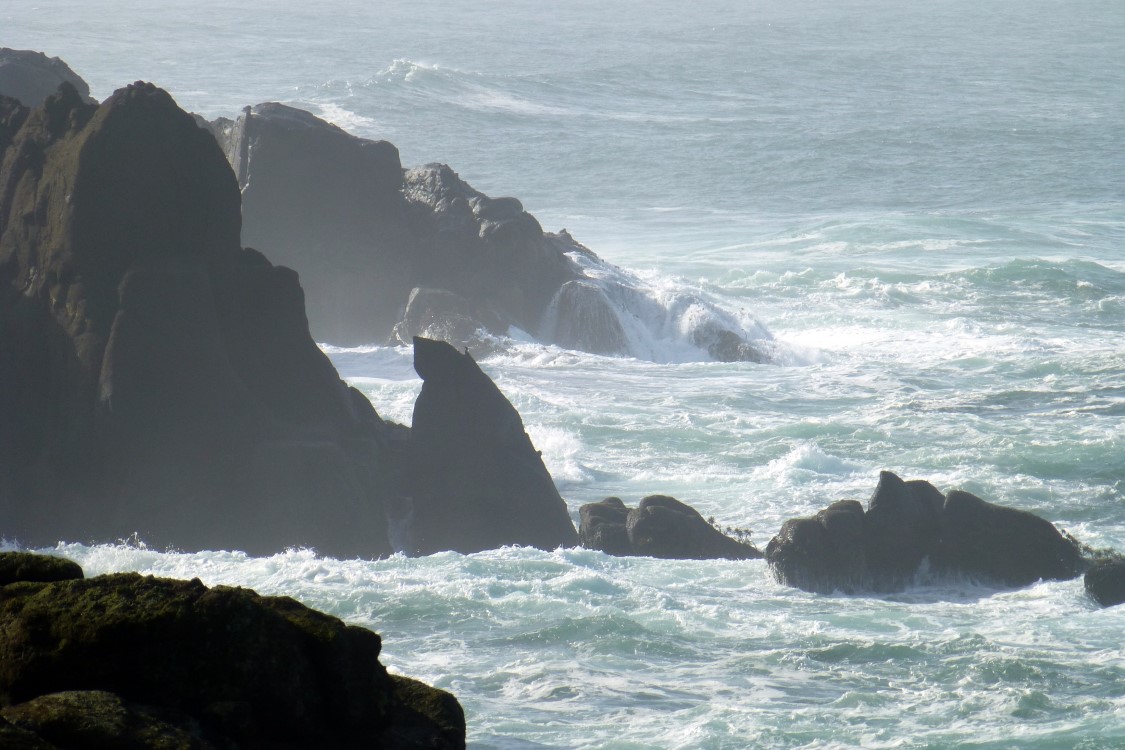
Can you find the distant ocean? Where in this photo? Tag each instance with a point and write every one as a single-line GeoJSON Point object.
{"type": "Point", "coordinates": [924, 203]}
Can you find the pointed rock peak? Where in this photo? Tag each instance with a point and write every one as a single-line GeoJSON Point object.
{"type": "Point", "coordinates": [439, 361]}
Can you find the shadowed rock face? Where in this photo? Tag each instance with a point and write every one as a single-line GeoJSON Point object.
{"type": "Point", "coordinates": [477, 482]}
{"type": "Point", "coordinates": [843, 548]}
{"type": "Point", "coordinates": [159, 378]}
{"type": "Point", "coordinates": [660, 526]}
{"type": "Point", "coordinates": [128, 661]}
{"type": "Point", "coordinates": [31, 76]}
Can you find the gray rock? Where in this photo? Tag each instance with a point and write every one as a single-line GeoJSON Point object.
{"type": "Point", "coordinates": [31, 77]}
{"type": "Point", "coordinates": [1105, 581]}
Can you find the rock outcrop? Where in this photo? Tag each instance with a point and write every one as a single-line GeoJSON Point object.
{"type": "Point", "coordinates": [660, 526]}
{"type": "Point", "coordinates": [31, 76]}
{"type": "Point", "coordinates": [1105, 581]}
{"type": "Point", "coordinates": [911, 524]}
{"type": "Point", "coordinates": [476, 481]}
{"type": "Point", "coordinates": [159, 378]}
{"type": "Point", "coordinates": [390, 254]}
{"type": "Point", "coordinates": [140, 662]}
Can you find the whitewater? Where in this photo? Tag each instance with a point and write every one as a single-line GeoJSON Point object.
{"type": "Point", "coordinates": [920, 207]}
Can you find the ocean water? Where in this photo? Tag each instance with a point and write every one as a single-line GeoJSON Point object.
{"type": "Point", "coordinates": [923, 204]}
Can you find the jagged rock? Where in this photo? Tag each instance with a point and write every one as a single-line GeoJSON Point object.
{"type": "Point", "coordinates": [1105, 581]}
{"type": "Point", "coordinates": [159, 378]}
{"type": "Point", "coordinates": [31, 76]}
{"type": "Point", "coordinates": [660, 526]}
{"type": "Point", "coordinates": [601, 526]}
{"type": "Point", "coordinates": [907, 523]}
{"type": "Point", "coordinates": [25, 566]}
{"type": "Point", "coordinates": [476, 480]}
{"type": "Point", "coordinates": [140, 662]}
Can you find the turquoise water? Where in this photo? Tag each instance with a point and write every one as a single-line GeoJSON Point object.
{"type": "Point", "coordinates": [922, 203]}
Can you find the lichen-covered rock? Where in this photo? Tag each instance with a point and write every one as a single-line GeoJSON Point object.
{"type": "Point", "coordinates": [27, 566]}
{"type": "Point", "coordinates": [1105, 581]}
{"type": "Point", "coordinates": [31, 77]}
{"type": "Point", "coordinates": [476, 480]}
{"type": "Point", "coordinates": [129, 661]}
{"type": "Point", "coordinates": [158, 378]}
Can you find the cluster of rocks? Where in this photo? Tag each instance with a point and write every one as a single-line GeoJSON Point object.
{"type": "Point", "coordinates": [140, 663]}
{"type": "Point", "coordinates": [660, 526]}
{"type": "Point", "coordinates": [160, 378]}
{"type": "Point", "coordinates": [386, 253]}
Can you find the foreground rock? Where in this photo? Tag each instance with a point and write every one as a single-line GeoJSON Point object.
{"type": "Point", "coordinates": [909, 525]}
{"type": "Point", "coordinates": [476, 481]}
{"type": "Point", "coordinates": [660, 526]}
{"type": "Point", "coordinates": [31, 76]}
{"type": "Point", "coordinates": [158, 377]}
{"type": "Point", "coordinates": [1105, 581]}
{"type": "Point", "coordinates": [128, 661]}
{"type": "Point", "coordinates": [387, 254]}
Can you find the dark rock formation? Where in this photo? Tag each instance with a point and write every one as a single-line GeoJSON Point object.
{"type": "Point", "coordinates": [660, 526]}
{"type": "Point", "coordinates": [601, 526]}
{"type": "Point", "coordinates": [1105, 581]}
{"type": "Point", "coordinates": [366, 237]}
{"type": "Point", "coordinates": [31, 76]}
{"type": "Point", "coordinates": [476, 480]}
{"type": "Point", "coordinates": [133, 662]}
{"type": "Point", "coordinates": [158, 378]}
{"type": "Point", "coordinates": [909, 523]}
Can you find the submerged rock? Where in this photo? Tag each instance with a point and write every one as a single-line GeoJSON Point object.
{"type": "Point", "coordinates": [910, 524]}
{"type": "Point", "coordinates": [140, 662]}
{"type": "Point", "coordinates": [660, 526]}
{"type": "Point", "coordinates": [476, 480]}
{"type": "Point", "coordinates": [31, 77]}
{"type": "Point", "coordinates": [158, 378]}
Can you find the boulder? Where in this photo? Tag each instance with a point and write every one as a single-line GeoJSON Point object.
{"type": "Point", "coordinates": [159, 378]}
{"type": "Point", "coordinates": [822, 553]}
{"type": "Point", "coordinates": [909, 526]}
{"type": "Point", "coordinates": [444, 316]}
{"type": "Point", "coordinates": [660, 526]}
{"type": "Point", "coordinates": [1105, 581]}
{"type": "Point", "coordinates": [476, 481]}
{"type": "Point", "coordinates": [1009, 546]}
{"type": "Point", "coordinates": [140, 662]}
{"type": "Point", "coordinates": [601, 526]}
{"type": "Point", "coordinates": [31, 77]}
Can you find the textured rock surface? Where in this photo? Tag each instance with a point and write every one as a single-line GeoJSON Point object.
{"type": "Point", "coordinates": [25, 566]}
{"type": "Point", "coordinates": [135, 662]}
{"type": "Point", "coordinates": [660, 526]}
{"type": "Point", "coordinates": [477, 481]}
{"type": "Point", "coordinates": [159, 378]}
{"type": "Point", "coordinates": [909, 523]}
{"type": "Point", "coordinates": [31, 76]}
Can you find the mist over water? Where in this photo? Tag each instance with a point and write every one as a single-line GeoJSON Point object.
{"type": "Point", "coordinates": [921, 204]}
